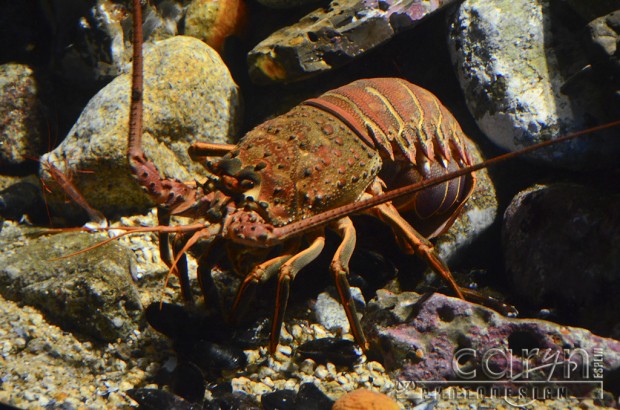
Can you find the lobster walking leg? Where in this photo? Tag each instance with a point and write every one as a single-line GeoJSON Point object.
{"type": "Point", "coordinates": [287, 274]}
{"type": "Point", "coordinates": [208, 259]}
{"type": "Point", "coordinates": [340, 270]}
{"type": "Point", "coordinates": [415, 241]}
{"type": "Point", "coordinates": [260, 274]}
{"type": "Point", "coordinates": [180, 268]}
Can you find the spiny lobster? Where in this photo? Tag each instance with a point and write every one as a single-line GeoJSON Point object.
{"type": "Point", "coordinates": [382, 147]}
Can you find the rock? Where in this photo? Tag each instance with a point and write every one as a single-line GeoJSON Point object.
{"type": "Point", "coordinates": [21, 199]}
{"type": "Point", "coordinates": [214, 21]}
{"type": "Point", "coordinates": [566, 234]}
{"type": "Point", "coordinates": [330, 313]}
{"type": "Point", "coordinates": [23, 136]}
{"type": "Point", "coordinates": [513, 67]}
{"type": "Point", "coordinates": [604, 51]}
{"type": "Point", "coordinates": [439, 338]}
{"type": "Point", "coordinates": [329, 38]}
{"type": "Point", "coordinates": [189, 96]}
{"type": "Point", "coordinates": [365, 399]}
{"type": "Point", "coordinates": [99, 33]}
{"type": "Point", "coordinates": [92, 292]}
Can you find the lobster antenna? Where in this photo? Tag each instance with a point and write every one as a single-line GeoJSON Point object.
{"type": "Point", "coordinates": [337, 213]}
{"type": "Point", "coordinates": [134, 143]}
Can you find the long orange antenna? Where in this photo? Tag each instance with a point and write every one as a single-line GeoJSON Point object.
{"type": "Point", "coordinates": [129, 230]}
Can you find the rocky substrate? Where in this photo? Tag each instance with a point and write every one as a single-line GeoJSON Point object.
{"type": "Point", "coordinates": [45, 365]}
{"type": "Point", "coordinates": [80, 331]}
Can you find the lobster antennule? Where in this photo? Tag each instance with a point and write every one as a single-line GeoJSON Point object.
{"type": "Point", "coordinates": [328, 216]}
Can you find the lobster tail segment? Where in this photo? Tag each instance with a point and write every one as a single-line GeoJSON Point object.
{"type": "Point", "coordinates": [397, 118]}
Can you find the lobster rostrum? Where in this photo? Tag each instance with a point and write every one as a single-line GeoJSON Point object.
{"type": "Point", "coordinates": [367, 147]}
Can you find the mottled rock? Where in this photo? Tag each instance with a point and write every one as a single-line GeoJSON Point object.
{"type": "Point", "coordinates": [23, 134]}
{"type": "Point", "coordinates": [330, 313]}
{"type": "Point", "coordinates": [189, 96]}
{"type": "Point", "coordinates": [513, 65]}
{"type": "Point", "coordinates": [214, 21]}
{"type": "Point", "coordinates": [329, 38]}
{"type": "Point", "coordinates": [92, 292]}
{"type": "Point", "coordinates": [439, 338]}
{"type": "Point", "coordinates": [562, 249]}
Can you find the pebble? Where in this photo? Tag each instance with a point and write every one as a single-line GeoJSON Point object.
{"type": "Point", "coordinates": [268, 382]}
{"type": "Point", "coordinates": [321, 372]}
{"type": "Point", "coordinates": [297, 332]}
{"type": "Point", "coordinates": [285, 350]}
{"type": "Point", "coordinates": [307, 366]}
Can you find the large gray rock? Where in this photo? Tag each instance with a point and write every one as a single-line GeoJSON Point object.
{"type": "Point", "coordinates": [92, 292]}
{"type": "Point", "coordinates": [514, 59]}
{"type": "Point", "coordinates": [189, 96]}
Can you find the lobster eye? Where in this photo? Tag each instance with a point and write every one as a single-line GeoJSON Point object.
{"type": "Point", "coordinates": [247, 184]}
{"type": "Point", "coordinates": [248, 179]}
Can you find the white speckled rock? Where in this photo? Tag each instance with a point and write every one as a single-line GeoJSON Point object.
{"type": "Point", "coordinates": [330, 313]}
{"type": "Point", "coordinates": [189, 96]}
{"type": "Point", "coordinates": [513, 59]}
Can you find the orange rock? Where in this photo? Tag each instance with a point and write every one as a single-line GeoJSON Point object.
{"type": "Point", "coordinates": [363, 399]}
{"type": "Point", "coordinates": [212, 21]}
